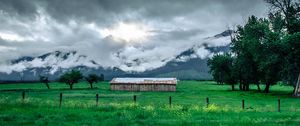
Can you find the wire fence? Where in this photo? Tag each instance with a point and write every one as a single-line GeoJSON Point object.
{"type": "Point", "coordinates": [98, 99]}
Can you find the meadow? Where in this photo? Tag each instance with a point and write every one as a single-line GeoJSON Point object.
{"type": "Point", "coordinates": [41, 106]}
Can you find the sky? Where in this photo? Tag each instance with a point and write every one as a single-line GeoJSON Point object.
{"type": "Point", "coordinates": [115, 33]}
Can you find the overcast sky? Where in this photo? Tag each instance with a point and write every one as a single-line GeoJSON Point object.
{"type": "Point", "coordinates": [117, 32]}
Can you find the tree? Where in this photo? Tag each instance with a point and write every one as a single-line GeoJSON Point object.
{"type": "Point", "coordinates": [92, 78]}
{"type": "Point", "coordinates": [257, 47]}
{"type": "Point", "coordinates": [270, 62]}
{"type": "Point", "coordinates": [221, 67]}
{"type": "Point", "coordinates": [44, 79]}
{"type": "Point", "coordinates": [288, 12]}
{"type": "Point", "coordinates": [289, 9]}
{"type": "Point", "coordinates": [70, 78]}
{"type": "Point", "coordinates": [215, 64]}
{"type": "Point", "coordinates": [245, 46]}
{"type": "Point", "coordinates": [291, 70]}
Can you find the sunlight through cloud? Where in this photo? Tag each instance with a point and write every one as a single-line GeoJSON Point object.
{"type": "Point", "coordinates": [128, 32]}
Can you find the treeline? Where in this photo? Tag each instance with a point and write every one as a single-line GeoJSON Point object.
{"type": "Point", "coordinates": [72, 77]}
{"type": "Point", "coordinates": [263, 51]}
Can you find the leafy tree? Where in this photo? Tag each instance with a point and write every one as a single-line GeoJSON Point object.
{"type": "Point", "coordinates": [288, 12]}
{"type": "Point", "coordinates": [221, 67]}
{"type": "Point", "coordinates": [246, 46]}
{"type": "Point", "coordinates": [270, 61]}
{"type": "Point", "coordinates": [215, 64]}
{"type": "Point", "coordinates": [291, 70]}
{"type": "Point", "coordinates": [289, 9]}
{"type": "Point", "coordinates": [44, 79]}
{"type": "Point", "coordinates": [257, 47]}
{"type": "Point", "coordinates": [92, 78]}
{"type": "Point", "coordinates": [266, 50]}
{"type": "Point", "coordinates": [70, 78]}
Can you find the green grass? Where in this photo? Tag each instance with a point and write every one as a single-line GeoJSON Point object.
{"type": "Point", "coordinates": [41, 106]}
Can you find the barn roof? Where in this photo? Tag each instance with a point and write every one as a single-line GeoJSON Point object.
{"type": "Point", "coordinates": [144, 80]}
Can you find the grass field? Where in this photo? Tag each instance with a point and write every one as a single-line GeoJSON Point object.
{"type": "Point", "coordinates": [41, 106]}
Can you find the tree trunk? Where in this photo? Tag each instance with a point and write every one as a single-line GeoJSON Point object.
{"type": "Point", "coordinates": [232, 87]}
{"type": "Point", "coordinates": [71, 86]}
{"type": "Point", "coordinates": [241, 86]}
{"type": "Point", "coordinates": [258, 87]}
{"type": "Point", "coordinates": [91, 84]}
{"type": "Point", "coordinates": [267, 89]}
{"type": "Point", "coordinates": [244, 87]}
{"type": "Point", "coordinates": [247, 87]}
{"type": "Point", "coordinates": [47, 85]}
{"type": "Point", "coordinates": [294, 89]}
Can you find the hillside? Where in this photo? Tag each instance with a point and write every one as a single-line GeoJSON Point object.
{"type": "Point", "coordinates": [189, 64]}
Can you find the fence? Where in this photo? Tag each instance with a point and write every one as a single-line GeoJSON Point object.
{"type": "Point", "coordinates": [207, 100]}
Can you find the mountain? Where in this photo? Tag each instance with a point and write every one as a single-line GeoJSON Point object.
{"type": "Point", "coordinates": [190, 64]}
{"type": "Point", "coordinates": [186, 66]}
{"type": "Point", "coordinates": [53, 65]}
{"type": "Point", "coordinates": [224, 34]}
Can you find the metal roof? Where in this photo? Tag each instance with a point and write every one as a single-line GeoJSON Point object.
{"type": "Point", "coordinates": [144, 80]}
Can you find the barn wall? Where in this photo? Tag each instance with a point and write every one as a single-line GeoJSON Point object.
{"type": "Point", "coordinates": [143, 87]}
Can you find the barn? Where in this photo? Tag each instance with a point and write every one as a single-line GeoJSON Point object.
{"type": "Point", "coordinates": [143, 84]}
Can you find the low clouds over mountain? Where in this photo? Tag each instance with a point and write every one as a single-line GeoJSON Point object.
{"type": "Point", "coordinates": [158, 32]}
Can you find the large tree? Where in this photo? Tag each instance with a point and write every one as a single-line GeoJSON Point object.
{"type": "Point", "coordinates": [70, 78]}
{"type": "Point", "coordinates": [285, 16]}
{"type": "Point", "coordinates": [270, 60]}
{"type": "Point", "coordinates": [246, 45]}
{"type": "Point", "coordinates": [291, 69]}
{"type": "Point", "coordinates": [221, 67]}
{"type": "Point", "coordinates": [257, 47]}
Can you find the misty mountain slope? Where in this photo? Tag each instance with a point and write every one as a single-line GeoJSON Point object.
{"type": "Point", "coordinates": [53, 65]}
{"type": "Point", "coordinates": [191, 69]}
{"type": "Point", "coordinates": [192, 63]}
{"type": "Point", "coordinates": [189, 64]}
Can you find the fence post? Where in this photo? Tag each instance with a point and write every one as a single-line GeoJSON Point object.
{"type": "Point", "coordinates": [170, 101]}
{"type": "Point", "coordinates": [97, 99]}
{"type": "Point", "coordinates": [207, 102]}
{"type": "Point", "coordinates": [278, 104]}
{"type": "Point", "coordinates": [60, 99]}
{"type": "Point", "coordinates": [23, 95]}
{"type": "Point", "coordinates": [243, 104]}
{"type": "Point", "coordinates": [134, 98]}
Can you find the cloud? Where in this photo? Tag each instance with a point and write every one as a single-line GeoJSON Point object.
{"type": "Point", "coordinates": [35, 27]}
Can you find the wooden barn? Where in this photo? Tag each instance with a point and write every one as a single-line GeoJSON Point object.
{"type": "Point", "coordinates": [143, 84]}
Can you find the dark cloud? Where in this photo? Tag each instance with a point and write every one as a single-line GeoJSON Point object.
{"type": "Point", "coordinates": [109, 10]}
{"type": "Point", "coordinates": [19, 8]}
{"type": "Point", "coordinates": [179, 34]}
{"type": "Point", "coordinates": [33, 27]}
{"type": "Point", "coordinates": [157, 9]}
